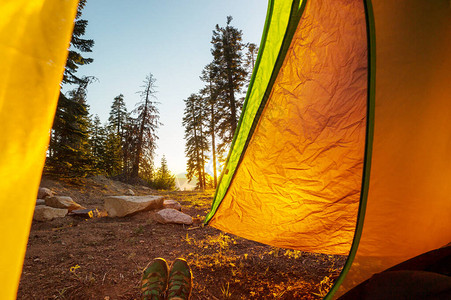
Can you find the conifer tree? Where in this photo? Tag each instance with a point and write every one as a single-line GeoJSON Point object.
{"type": "Point", "coordinates": [250, 59]}
{"type": "Point", "coordinates": [147, 170]}
{"type": "Point", "coordinates": [70, 150]}
{"type": "Point", "coordinates": [112, 159]}
{"type": "Point", "coordinates": [164, 180]}
{"type": "Point", "coordinates": [147, 124]}
{"type": "Point", "coordinates": [129, 145]}
{"type": "Point", "coordinates": [78, 44]}
{"type": "Point", "coordinates": [118, 116]}
{"type": "Point", "coordinates": [196, 142]}
{"type": "Point", "coordinates": [231, 76]}
{"type": "Point", "coordinates": [69, 153]}
{"type": "Point", "coordinates": [97, 141]}
{"type": "Point", "coordinates": [117, 126]}
{"type": "Point", "coordinates": [209, 93]}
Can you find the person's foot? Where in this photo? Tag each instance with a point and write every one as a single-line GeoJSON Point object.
{"type": "Point", "coordinates": [180, 280]}
{"type": "Point", "coordinates": [154, 280]}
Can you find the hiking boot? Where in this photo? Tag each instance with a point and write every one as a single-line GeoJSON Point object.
{"type": "Point", "coordinates": [155, 280]}
{"type": "Point", "coordinates": [180, 280]}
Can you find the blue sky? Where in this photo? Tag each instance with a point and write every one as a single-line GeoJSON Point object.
{"type": "Point", "coordinates": [170, 39]}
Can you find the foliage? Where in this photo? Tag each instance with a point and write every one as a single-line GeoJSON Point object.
{"type": "Point", "coordinates": [209, 94]}
{"type": "Point", "coordinates": [147, 122]}
{"type": "Point", "coordinates": [70, 150]}
{"type": "Point", "coordinates": [112, 159]}
{"type": "Point", "coordinates": [196, 142]}
{"type": "Point", "coordinates": [230, 78]}
{"type": "Point", "coordinates": [77, 43]}
{"type": "Point", "coordinates": [97, 141]}
{"type": "Point", "coordinates": [250, 59]}
{"type": "Point", "coordinates": [164, 180]}
{"type": "Point", "coordinates": [147, 170]}
{"type": "Point", "coordinates": [118, 116]}
{"type": "Point", "coordinates": [211, 116]}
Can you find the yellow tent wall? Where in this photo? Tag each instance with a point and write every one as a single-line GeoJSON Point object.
{"type": "Point", "coordinates": [409, 202]}
{"type": "Point", "coordinates": [298, 185]}
{"type": "Point", "coordinates": [34, 37]}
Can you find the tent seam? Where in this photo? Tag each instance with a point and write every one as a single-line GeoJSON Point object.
{"type": "Point", "coordinates": [251, 85]}
{"type": "Point", "coordinates": [371, 41]}
{"type": "Point", "coordinates": [295, 16]}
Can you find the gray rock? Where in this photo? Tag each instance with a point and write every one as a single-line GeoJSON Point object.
{"type": "Point", "coordinates": [170, 215]}
{"type": "Point", "coordinates": [47, 213]}
{"type": "Point", "coordinates": [62, 202]}
{"type": "Point", "coordinates": [44, 192]}
{"type": "Point", "coordinates": [121, 206]}
{"type": "Point", "coordinates": [40, 202]}
{"type": "Point", "coordinates": [172, 204]}
{"type": "Point", "coordinates": [130, 192]}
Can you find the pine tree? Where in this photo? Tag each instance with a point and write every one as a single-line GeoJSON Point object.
{"type": "Point", "coordinates": [231, 76]}
{"type": "Point", "coordinates": [75, 58]}
{"type": "Point", "coordinates": [97, 142]}
{"type": "Point", "coordinates": [196, 141]}
{"type": "Point", "coordinates": [209, 93]}
{"type": "Point", "coordinates": [118, 125]}
{"type": "Point", "coordinates": [250, 59]}
{"type": "Point", "coordinates": [112, 159]}
{"type": "Point", "coordinates": [69, 149]}
{"type": "Point", "coordinates": [147, 122]}
{"type": "Point", "coordinates": [147, 170]}
{"type": "Point", "coordinates": [118, 116]}
{"type": "Point", "coordinates": [164, 180]}
{"type": "Point", "coordinates": [129, 145]}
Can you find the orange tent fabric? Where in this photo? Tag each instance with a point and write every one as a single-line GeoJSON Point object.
{"type": "Point", "coordinates": [408, 209]}
{"type": "Point", "coordinates": [298, 185]}
{"type": "Point", "coordinates": [353, 145]}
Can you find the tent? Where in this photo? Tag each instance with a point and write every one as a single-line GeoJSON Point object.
{"type": "Point", "coordinates": [343, 146]}
{"type": "Point", "coordinates": [344, 142]}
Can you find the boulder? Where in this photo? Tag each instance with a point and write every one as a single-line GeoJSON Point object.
{"type": "Point", "coordinates": [121, 206]}
{"type": "Point", "coordinates": [170, 215]}
{"type": "Point", "coordinates": [40, 202]}
{"type": "Point", "coordinates": [129, 192]}
{"type": "Point", "coordinates": [44, 192]}
{"type": "Point", "coordinates": [172, 204]}
{"type": "Point", "coordinates": [47, 213]}
{"type": "Point", "coordinates": [62, 202]}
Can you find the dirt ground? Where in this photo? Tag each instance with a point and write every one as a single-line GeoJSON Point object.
{"type": "Point", "coordinates": [103, 258]}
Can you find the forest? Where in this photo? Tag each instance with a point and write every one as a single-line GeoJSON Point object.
{"type": "Point", "coordinates": [124, 147]}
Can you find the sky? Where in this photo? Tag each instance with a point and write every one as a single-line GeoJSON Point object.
{"type": "Point", "coordinates": [171, 40]}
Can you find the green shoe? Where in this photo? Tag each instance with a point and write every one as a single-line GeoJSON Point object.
{"type": "Point", "coordinates": [154, 280]}
{"type": "Point", "coordinates": [180, 280]}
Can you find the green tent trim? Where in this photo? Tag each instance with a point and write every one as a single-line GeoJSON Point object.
{"type": "Point", "coordinates": [253, 107]}
{"type": "Point", "coordinates": [371, 34]}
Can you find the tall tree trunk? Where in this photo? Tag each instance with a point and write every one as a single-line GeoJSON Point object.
{"type": "Point", "coordinates": [139, 146]}
{"type": "Point", "coordinates": [199, 166]}
{"type": "Point", "coordinates": [213, 142]}
{"type": "Point", "coordinates": [202, 159]}
{"type": "Point", "coordinates": [232, 101]}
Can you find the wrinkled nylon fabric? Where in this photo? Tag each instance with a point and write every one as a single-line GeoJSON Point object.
{"type": "Point", "coordinates": [34, 37]}
{"type": "Point", "coordinates": [277, 23]}
{"type": "Point", "coordinates": [298, 185]}
{"type": "Point", "coordinates": [409, 201]}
